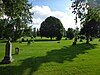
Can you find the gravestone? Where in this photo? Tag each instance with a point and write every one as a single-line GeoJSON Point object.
{"type": "Point", "coordinates": [58, 42]}
{"type": "Point", "coordinates": [8, 53]}
{"type": "Point", "coordinates": [65, 38]}
{"type": "Point", "coordinates": [28, 43]}
{"type": "Point", "coordinates": [33, 41]}
{"type": "Point", "coordinates": [27, 40]}
{"type": "Point", "coordinates": [16, 50]}
{"type": "Point", "coordinates": [87, 47]}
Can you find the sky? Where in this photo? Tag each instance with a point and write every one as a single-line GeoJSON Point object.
{"type": "Point", "coordinates": [60, 9]}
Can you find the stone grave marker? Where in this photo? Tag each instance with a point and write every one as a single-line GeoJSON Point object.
{"type": "Point", "coordinates": [16, 50]}
{"type": "Point", "coordinates": [8, 53]}
{"type": "Point", "coordinates": [28, 43]}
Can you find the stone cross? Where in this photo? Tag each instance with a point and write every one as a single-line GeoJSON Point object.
{"type": "Point", "coordinates": [8, 53]}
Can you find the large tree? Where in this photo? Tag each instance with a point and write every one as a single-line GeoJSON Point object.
{"type": "Point", "coordinates": [88, 18]}
{"type": "Point", "coordinates": [51, 27]}
{"type": "Point", "coordinates": [91, 24]}
{"type": "Point", "coordinates": [17, 16]}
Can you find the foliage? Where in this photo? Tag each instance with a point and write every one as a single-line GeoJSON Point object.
{"type": "Point", "coordinates": [34, 32]}
{"type": "Point", "coordinates": [70, 33]}
{"type": "Point", "coordinates": [51, 27]}
{"type": "Point", "coordinates": [38, 32]}
{"type": "Point", "coordinates": [88, 16]}
{"type": "Point", "coordinates": [17, 16]}
{"type": "Point", "coordinates": [80, 7]}
{"type": "Point", "coordinates": [76, 32]}
{"type": "Point", "coordinates": [2, 27]}
{"type": "Point", "coordinates": [91, 24]}
{"type": "Point", "coordinates": [27, 31]}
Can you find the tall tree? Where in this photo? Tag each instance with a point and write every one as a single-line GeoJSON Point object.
{"type": "Point", "coordinates": [51, 27]}
{"type": "Point", "coordinates": [91, 24]}
{"type": "Point", "coordinates": [81, 8]}
{"type": "Point", "coordinates": [18, 15]}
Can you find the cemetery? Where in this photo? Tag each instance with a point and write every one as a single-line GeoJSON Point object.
{"type": "Point", "coordinates": [49, 37]}
{"type": "Point", "coordinates": [49, 57]}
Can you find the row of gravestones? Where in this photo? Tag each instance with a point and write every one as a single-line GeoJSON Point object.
{"type": "Point", "coordinates": [8, 52]}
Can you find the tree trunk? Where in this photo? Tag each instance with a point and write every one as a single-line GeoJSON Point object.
{"type": "Point", "coordinates": [87, 39]}
{"type": "Point", "coordinates": [13, 37]}
{"type": "Point", "coordinates": [51, 38]}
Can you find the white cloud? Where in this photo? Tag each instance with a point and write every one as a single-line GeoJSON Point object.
{"type": "Point", "coordinates": [42, 12]}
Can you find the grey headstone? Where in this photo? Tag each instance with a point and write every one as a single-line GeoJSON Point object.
{"type": "Point", "coordinates": [28, 43]}
{"type": "Point", "coordinates": [16, 50]}
{"type": "Point", "coordinates": [8, 53]}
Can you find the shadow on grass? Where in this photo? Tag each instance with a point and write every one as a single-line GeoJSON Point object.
{"type": "Point", "coordinates": [58, 56]}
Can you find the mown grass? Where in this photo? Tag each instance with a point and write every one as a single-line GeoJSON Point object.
{"type": "Point", "coordinates": [50, 57]}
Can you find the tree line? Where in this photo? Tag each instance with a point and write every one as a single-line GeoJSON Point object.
{"type": "Point", "coordinates": [15, 16]}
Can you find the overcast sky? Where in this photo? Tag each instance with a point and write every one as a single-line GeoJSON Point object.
{"type": "Point", "coordinates": [57, 8]}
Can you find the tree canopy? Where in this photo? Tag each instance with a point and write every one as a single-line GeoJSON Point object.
{"type": "Point", "coordinates": [91, 24]}
{"type": "Point", "coordinates": [51, 27]}
{"type": "Point", "coordinates": [17, 18]}
{"type": "Point", "coordinates": [80, 7]}
{"type": "Point", "coordinates": [88, 13]}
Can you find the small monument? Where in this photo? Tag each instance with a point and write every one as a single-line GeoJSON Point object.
{"type": "Point", "coordinates": [16, 50]}
{"type": "Point", "coordinates": [65, 38]}
{"type": "Point", "coordinates": [8, 53]}
{"type": "Point", "coordinates": [28, 43]}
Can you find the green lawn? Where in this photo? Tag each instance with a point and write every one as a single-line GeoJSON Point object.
{"type": "Point", "coordinates": [52, 58]}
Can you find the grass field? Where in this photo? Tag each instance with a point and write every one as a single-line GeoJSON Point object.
{"type": "Point", "coordinates": [52, 58]}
